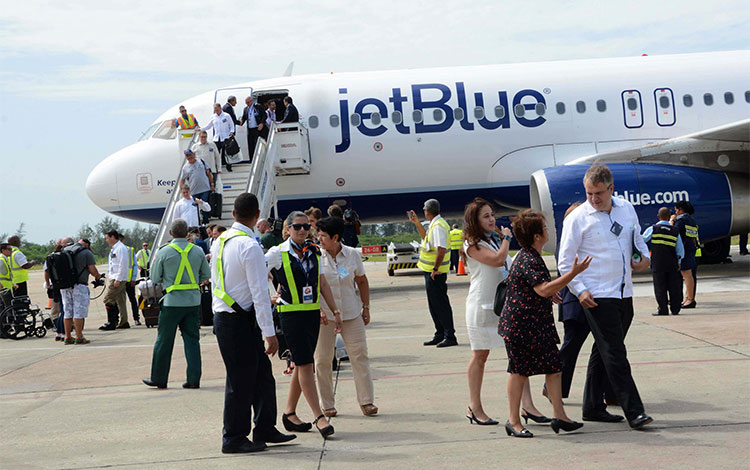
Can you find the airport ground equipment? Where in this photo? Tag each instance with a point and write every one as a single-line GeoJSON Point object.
{"type": "Point", "coordinates": [19, 318]}
{"type": "Point", "coordinates": [402, 256]}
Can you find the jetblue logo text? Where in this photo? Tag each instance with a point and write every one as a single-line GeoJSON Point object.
{"type": "Point", "coordinates": [429, 97]}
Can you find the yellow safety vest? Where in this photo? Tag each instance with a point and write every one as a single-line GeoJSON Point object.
{"type": "Point", "coordinates": [691, 231]}
{"type": "Point", "coordinates": [427, 257]}
{"type": "Point", "coordinates": [19, 274]}
{"type": "Point", "coordinates": [6, 278]}
{"type": "Point", "coordinates": [663, 239]}
{"type": "Point", "coordinates": [188, 123]}
{"type": "Point", "coordinates": [457, 239]}
{"type": "Point", "coordinates": [143, 257]}
{"type": "Point", "coordinates": [131, 263]}
{"type": "Point", "coordinates": [296, 305]}
{"type": "Point", "coordinates": [184, 266]}
{"type": "Point", "coordinates": [220, 291]}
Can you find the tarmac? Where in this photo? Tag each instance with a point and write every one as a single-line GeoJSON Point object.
{"type": "Point", "coordinates": [84, 406]}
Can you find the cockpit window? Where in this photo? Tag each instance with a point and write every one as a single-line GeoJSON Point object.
{"type": "Point", "coordinates": [165, 131]}
{"type": "Point", "coordinates": [149, 132]}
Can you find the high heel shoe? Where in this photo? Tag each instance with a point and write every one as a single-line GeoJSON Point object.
{"type": "Point", "coordinates": [558, 424]}
{"type": "Point", "coordinates": [512, 432]}
{"type": "Point", "coordinates": [473, 419]}
{"type": "Point", "coordinates": [326, 431]}
{"type": "Point", "coordinates": [691, 304]}
{"type": "Point", "coordinates": [541, 419]}
{"type": "Point", "coordinates": [294, 427]}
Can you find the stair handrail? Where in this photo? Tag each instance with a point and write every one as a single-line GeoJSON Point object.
{"type": "Point", "coordinates": [262, 180]}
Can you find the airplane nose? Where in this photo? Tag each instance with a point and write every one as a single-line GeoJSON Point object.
{"type": "Point", "coordinates": [101, 184]}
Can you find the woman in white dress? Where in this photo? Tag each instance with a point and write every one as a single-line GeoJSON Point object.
{"type": "Point", "coordinates": [486, 247]}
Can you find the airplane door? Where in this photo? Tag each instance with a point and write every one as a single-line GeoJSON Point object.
{"type": "Point", "coordinates": [664, 103]}
{"type": "Point", "coordinates": [632, 109]}
{"type": "Point", "coordinates": [240, 93]}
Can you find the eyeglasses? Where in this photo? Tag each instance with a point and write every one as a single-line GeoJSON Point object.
{"type": "Point", "coordinates": [301, 226]}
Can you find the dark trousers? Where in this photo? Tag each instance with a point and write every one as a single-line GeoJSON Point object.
{"type": "Point", "coordinates": [223, 152]}
{"type": "Point", "coordinates": [440, 305]}
{"type": "Point", "coordinates": [743, 243]}
{"type": "Point", "coordinates": [252, 139]}
{"type": "Point", "coordinates": [204, 196]}
{"type": "Point", "coordinates": [454, 260]}
{"type": "Point", "coordinates": [575, 335]}
{"type": "Point", "coordinates": [250, 381]}
{"type": "Point", "coordinates": [609, 322]}
{"type": "Point", "coordinates": [668, 291]}
{"type": "Point", "coordinates": [143, 272]}
{"type": "Point", "coordinates": [23, 289]}
{"type": "Point", "coordinates": [130, 291]}
{"type": "Point", "coordinates": [170, 318]}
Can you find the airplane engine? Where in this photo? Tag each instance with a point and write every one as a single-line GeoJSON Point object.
{"type": "Point", "coordinates": [721, 200]}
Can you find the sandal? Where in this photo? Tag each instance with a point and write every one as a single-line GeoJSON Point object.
{"type": "Point", "coordinates": [330, 412]}
{"type": "Point", "coordinates": [369, 409]}
{"type": "Point", "coordinates": [82, 341]}
{"type": "Point", "coordinates": [69, 341]}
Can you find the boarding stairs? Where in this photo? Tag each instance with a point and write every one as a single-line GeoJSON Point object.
{"type": "Point", "coordinates": [286, 152]}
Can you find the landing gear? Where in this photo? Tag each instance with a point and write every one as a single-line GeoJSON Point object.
{"type": "Point", "coordinates": [715, 252]}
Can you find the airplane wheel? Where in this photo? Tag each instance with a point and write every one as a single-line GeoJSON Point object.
{"type": "Point", "coordinates": [391, 272]}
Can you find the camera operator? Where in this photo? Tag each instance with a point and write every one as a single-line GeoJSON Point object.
{"type": "Point", "coordinates": [270, 232]}
{"type": "Point", "coordinates": [351, 228]}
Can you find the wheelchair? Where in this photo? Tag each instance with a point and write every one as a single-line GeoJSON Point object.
{"type": "Point", "coordinates": [19, 318]}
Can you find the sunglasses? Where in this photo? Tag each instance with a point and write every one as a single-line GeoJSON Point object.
{"type": "Point", "coordinates": [301, 226]}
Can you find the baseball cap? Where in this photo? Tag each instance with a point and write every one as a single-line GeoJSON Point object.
{"type": "Point", "coordinates": [188, 151]}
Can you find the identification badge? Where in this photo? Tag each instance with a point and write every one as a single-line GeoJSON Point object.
{"type": "Point", "coordinates": [343, 272]}
{"type": "Point", "coordinates": [616, 229]}
{"type": "Point", "coordinates": [307, 295]}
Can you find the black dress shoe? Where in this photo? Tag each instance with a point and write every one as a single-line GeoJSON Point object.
{"type": "Point", "coordinates": [138, 323]}
{"type": "Point", "coordinates": [640, 421]}
{"type": "Point", "coordinates": [108, 326]}
{"type": "Point", "coordinates": [512, 432]}
{"type": "Point", "coordinates": [541, 419]}
{"type": "Point", "coordinates": [275, 437]}
{"type": "Point", "coordinates": [290, 426]}
{"type": "Point", "coordinates": [690, 305]}
{"type": "Point", "coordinates": [124, 326]}
{"type": "Point", "coordinates": [657, 314]}
{"type": "Point", "coordinates": [324, 431]}
{"type": "Point", "coordinates": [244, 448]}
{"type": "Point", "coordinates": [447, 342]}
{"type": "Point", "coordinates": [603, 417]}
{"type": "Point", "coordinates": [433, 341]}
{"type": "Point", "coordinates": [151, 383]}
{"type": "Point", "coordinates": [675, 313]}
{"type": "Point", "coordinates": [558, 424]}
{"type": "Point", "coordinates": [189, 385]}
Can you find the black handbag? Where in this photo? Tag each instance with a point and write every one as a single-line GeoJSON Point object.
{"type": "Point", "coordinates": [500, 293]}
{"type": "Point", "coordinates": [231, 147]}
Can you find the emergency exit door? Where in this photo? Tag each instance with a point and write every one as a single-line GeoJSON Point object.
{"type": "Point", "coordinates": [664, 103]}
{"type": "Point", "coordinates": [632, 109]}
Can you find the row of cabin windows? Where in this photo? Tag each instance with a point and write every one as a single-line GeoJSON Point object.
{"type": "Point", "coordinates": [519, 110]}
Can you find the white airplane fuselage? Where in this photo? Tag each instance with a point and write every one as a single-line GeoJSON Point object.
{"type": "Point", "coordinates": [465, 145]}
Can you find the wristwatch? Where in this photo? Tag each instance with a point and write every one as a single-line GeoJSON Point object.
{"type": "Point", "coordinates": [337, 312]}
{"type": "Point", "coordinates": [366, 307]}
{"type": "Point", "coordinates": [507, 238]}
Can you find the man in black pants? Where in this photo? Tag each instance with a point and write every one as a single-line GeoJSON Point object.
{"type": "Point", "coordinates": [666, 252]}
{"type": "Point", "coordinates": [607, 229]}
{"type": "Point", "coordinates": [255, 117]}
{"type": "Point", "coordinates": [242, 316]}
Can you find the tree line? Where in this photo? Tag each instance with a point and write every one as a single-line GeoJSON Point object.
{"type": "Point", "coordinates": [134, 237]}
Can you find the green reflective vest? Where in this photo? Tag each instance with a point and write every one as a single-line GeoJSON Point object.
{"type": "Point", "coordinates": [184, 266]}
{"type": "Point", "coordinates": [220, 291]}
{"type": "Point", "coordinates": [142, 258]}
{"type": "Point", "coordinates": [132, 275]}
{"type": "Point", "coordinates": [6, 279]}
{"type": "Point", "coordinates": [296, 304]}
{"type": "Point", "coordinates": [457, 239]}
{"type": "Point", "coordinates": [19, 274]}
{"type": "Point", "coordinates": [427, 257]}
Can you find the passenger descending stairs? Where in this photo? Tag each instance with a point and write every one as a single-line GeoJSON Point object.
{"type": "Point", "coordinates": [233, 184]}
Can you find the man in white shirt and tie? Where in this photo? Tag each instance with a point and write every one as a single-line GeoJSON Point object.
{"type": "Point", "coordinates": [242, 317]}
{"type": "Point", "coordinates": [187, 207]}
{"type": "Point", "coordinates": [115, 301]}
{"type": "Point", "coordinates": [222, 125]}
{"type": "Point", "coordinates": [607, 229]}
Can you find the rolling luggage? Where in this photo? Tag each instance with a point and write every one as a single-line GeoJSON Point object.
{"type": "Point", "coordinates": [207, 314]}
{"type": "Point", "coordinates": [151, 294]}
{"type": "Point", "coordinates": [214, 200]}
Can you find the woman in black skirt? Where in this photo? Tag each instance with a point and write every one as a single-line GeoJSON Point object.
{"type": "Point", "coordinates": [296, 265]}
{"type": "Point", "coordinates": [527, 324]}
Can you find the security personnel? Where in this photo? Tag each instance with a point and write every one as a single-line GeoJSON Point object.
{"type": "Point", "coordinates": [432, 261]}
{"type": "Point", "coordinates": [180, 267]}
{"type": "Point", "coordinates": [19, 266]}
{"type": "Point", "coordinates": [142, 257]}
{"type": "Point", "coordinates": [242, 312]}
{"type": "Point", "coordinates": [6, 275]}
{"type": "Point", "coordinates": [457, 239]}
{"type": "Point", "coordinates": [185, 121]}
{"type": "Point", "coordinates": [666, 253]}
{"type": "Point", "coordinates": [688, 228]}
{"type": "Point", "coordinates": [130, 288]}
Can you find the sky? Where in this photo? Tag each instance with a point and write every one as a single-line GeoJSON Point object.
{"type": "Point", "coordinates": [82, 79]}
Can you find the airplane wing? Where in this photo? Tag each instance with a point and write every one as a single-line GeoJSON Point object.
{"type": "Point", "coordinates": [723, 148]}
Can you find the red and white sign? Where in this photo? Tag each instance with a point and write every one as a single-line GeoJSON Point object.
{"type": "Point", "coordinates": [374, 249]}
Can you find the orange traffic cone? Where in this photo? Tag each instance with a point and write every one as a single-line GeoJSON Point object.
{"type": "Point", "coordinates": [49, 303]}
{"type": "Point", "coordinates": [461, 270]}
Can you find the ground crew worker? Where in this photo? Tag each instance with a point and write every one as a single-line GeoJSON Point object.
{"type": "Point", "coordinates": [185, 121]}
{"type": "Point", "coordinates": [242, 312]}
{"type": "Point", "coordinates": [685, 223]}
{"type": "Point", "coordinates": [6, 275]}
{"type": "Point", "coordinates": [180, 268]}
{"type": "Point", "coordinates": [117, 277]}
{"type": "Point", "coordinates": [142, 258]}
{"type": "Point", "coordinates": [667, 251]}
{"type": "Point", "coordinates": [432, 261]}
{"type": "Point", "coordinates": [19, 266]}
{"type": "Point", "coordinates": [130, 286]}
{"type": "Point", "coordinates": [457, 240]}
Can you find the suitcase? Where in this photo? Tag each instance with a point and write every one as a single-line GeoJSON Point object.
{"type": "Point", "coordinates": [214, 200]}
{"type": "Point", "coordinates": [150, 308]}
{"type": "Point", "coordinates": [207, 314]}
{"type": "Point", "coordinates": [150, 313]}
